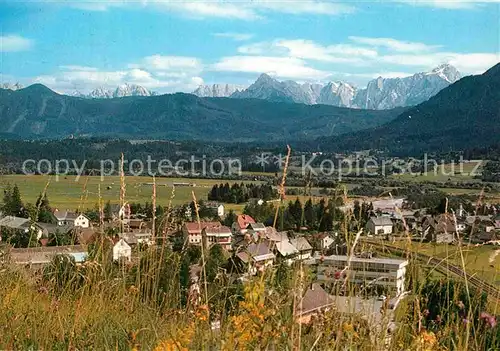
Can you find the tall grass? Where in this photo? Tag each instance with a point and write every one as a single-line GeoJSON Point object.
{"type": "Point", "coordinates": [141, 305]}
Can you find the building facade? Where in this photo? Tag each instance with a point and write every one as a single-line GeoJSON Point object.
{"type": "Point", "coordinates": [387, 273]}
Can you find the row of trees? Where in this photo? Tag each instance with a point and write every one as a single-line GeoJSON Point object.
{"type": "Point", "coordinates": [321, 216]}
{"type": "Point", "coordinates": [239, 193]}
{"type": "Point", "coordinates": [13, 206]}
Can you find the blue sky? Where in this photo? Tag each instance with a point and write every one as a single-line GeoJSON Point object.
{"type": "Point", "coordinates": [171, 46]}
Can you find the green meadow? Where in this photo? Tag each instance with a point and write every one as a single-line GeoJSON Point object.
{"type": "Point", "coordinates": [72, 193]}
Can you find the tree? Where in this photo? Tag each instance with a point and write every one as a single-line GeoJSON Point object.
{"type": "Point", "coordinates": [108, 213]}
{"type": "Point", "coordinates": [44, 211]}
{"type": "Point", "coordinates": [184, 278]}
{"type": "Point", "coordinates": [59, 238]}
{"type": "Point", "coordinates": [309, 215]}
{"type": "Point", "coordinates": [13, 205]}
{"type": "Point", "coordinates": [283, 277]}
{"type": "Point", "coordinates": [20, 238]}
{"type": "Point", "coordinates": [230, 218]}
{"type": "Point", "coordinates": [216, 259]}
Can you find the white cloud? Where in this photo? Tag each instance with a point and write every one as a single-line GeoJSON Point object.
{"type": "Point", "coordinates": [310, 50]}
{"type": "Point", "coordinates": [448, 4]}
{"type": "Point", "coordinates": [14, 43]}
{"type": "Point", "coordinates": [393, 44]}
{"type": "Point", "coordinates": [236, 9]}
{"type": "Point", "coordinates": [397, 53]}
{"type": "Point", "coordinates": [168, 63]}
{"type": "Point", "coordinates": [283, 67]}
{"type": "Point", "coordinates": [211, 9]}
{"type": "Point", "coordinates": [234, 36]}
{"type": "Point", "coordinates": [77, 68]}
{"type": "Point", "coordinates": [156, 72]}
{"type": "Point", "coordinates": [465, 62]}
{"type": "Point", "coordinates": [296, 7]}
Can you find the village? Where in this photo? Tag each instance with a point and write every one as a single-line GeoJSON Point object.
{"type": "Point", "coordinates": [362, 280]}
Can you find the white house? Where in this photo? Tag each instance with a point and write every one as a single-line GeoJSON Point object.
{"type": "Point", "coordinates": [385, 272]}
{"type": "Point", "coordinates": [71, 218]}
{"type": "Point", "coordinates": [216, 207]}
{"type": "Point", "coordinates": [379, 225]}
{"type": "Point", "coordinates": [303, 247]}
{"type": "Point", "coordinates": [122, 250]}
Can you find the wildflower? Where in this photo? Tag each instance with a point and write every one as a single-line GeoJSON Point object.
{"type": "Point", "coordinates": [460, 305]}
{"type": "Point", "coordinates": [426, 341]}
{"type": "Point", "coordinates": [348, 328]}
{"type": "Point", "coordinates": [489, 319]}
{"type": "Point", "coordinates": [426, 312]}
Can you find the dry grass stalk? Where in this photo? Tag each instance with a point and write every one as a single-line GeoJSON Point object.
{"type": "Point", "coordinates": [281, 189]}
{"type": "Point", "coordinates": [203, 248]}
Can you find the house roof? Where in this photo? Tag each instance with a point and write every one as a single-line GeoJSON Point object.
{"type": "Point", "coordinates": [244, 220]}
{"type": "Point", "coordinates": [301, 244]}
{"type": "Point", "coordinates": [213, 204]}
{"type": "Point", "coordinates": [122, 244]}
{"type": "Point", "coordinates": [14, 222]}
{"type": "Point", "coordinates": [257, 251]}
{"type": "Point", "coordinates": [136, 223]}
{"type": "Point", "coordinates": [315, 298]}
{"type": "Point", "coordinates": [85, 235]}
{"type": "Point", "coordinates": [472, 219]}
{"type": "Point", "coordinates": [43, 255]}
{"type": "Point", "coordinates": [484, 236]}
{"type": "Point", "coordinates": [381, 220]}
{"type": "Point", "coordinates": [53, 228]}
{"type": "Point", "coordinates": [285, 248]}
{"type": "Point", "coordinates": [134, 236]}
{"type": "Point", "coordinates": [196, 228]}
{"type": "Point", "coordinates": [344, 258]}
{"type": "Point", "coordinates": [256, 226]}
{"type": "Point", "coordinates": [65, 215]}
{"type": "Point", "coordinates": [272, 234]}
{"type": "Point", "coordinates": [218, 229]}
{"type": "Point", "coordinates": [444, 223]}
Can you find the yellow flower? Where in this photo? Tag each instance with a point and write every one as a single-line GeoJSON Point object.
{"type": "Point", "coordinates": [348, 328]}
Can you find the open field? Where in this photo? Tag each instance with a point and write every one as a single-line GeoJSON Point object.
{"type": "Point", "coordinates": [464, 172]}
{"type": "Point", "coordinates": [66, 193]}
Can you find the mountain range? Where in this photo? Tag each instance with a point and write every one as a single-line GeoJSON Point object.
{"type": "Point", "coordinates": [11, 86]}
{"type": "Point", "coordinates": [462, 116]}
{"type": "Point", "coordinates": [120, 91]}
{"type": "Point", "coordinates": [37, 112]}
{"type": "Point", "coordinates": [380, 93]}
{"type": "Point", "coordinates": [218, 90]}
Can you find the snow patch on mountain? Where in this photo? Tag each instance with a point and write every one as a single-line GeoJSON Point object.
{"type": "Point", "coordinates": [10, 86]}
{"type": "Point", "coordinates": [218, 90]}
{"type": "Point", "coordinates": [120, 91]}
{"type": "Point", "coordinates": [380, 93]}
